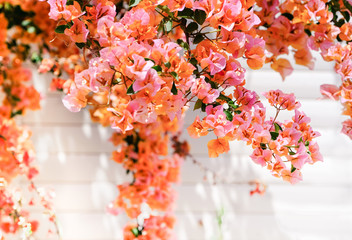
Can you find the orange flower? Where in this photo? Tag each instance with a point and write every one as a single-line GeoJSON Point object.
{"type": "Point", "coordinates": [197, 128]}
{"type": "Point", "coordinates": [304, 57]}
{"type": "Point", "coordinates": [283, 66]}
{"type": "Point", "coordinates": [218, 146]}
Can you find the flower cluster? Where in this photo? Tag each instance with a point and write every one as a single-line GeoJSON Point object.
{"type": "Point", "coordinates": [319, 25]}
{"type": "Point", "coordinates": [21, 28]}
{"type": "Point", "coordinates": [141, 67]}
{"type": "Point", "coordinates": [137, 68]}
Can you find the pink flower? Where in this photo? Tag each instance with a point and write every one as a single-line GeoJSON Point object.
{"type": "Point", "coordinates": [261, 157]}
{"type": "Point", "coordinates": [216, 118]}
{"type": "Point", "coordinates": [58, 10]}
{"type": "Point", "coordinates": [314, 152]}
{"type": "Point", "coordinates": [76, 99]}
{"type": "Point", "coordinates": [226, 17]}
{"type": "Point", "coordinates": [245, 98]}
{"type": "Point", "coordinates": [235, 74]}
{"type": "Point", "coordinates": [292, 177]}
{"type": "Point", "coordinates": [138, 70]}
{"type": "Point", "coordinates": [300, 158]}
{"type": "Point", "coordinates": [46, 65]}
{"type": "Point", "coordinates": [142, 110]}
{"type": "Point", "coordinates": [347, 128]}
{"type": "Point", "coordinates": [204, 91]}
{"type": "Point", "coordinates": [139, 15]}
{"type": "Point", "coordinates": [108, 31]}
{"type": "Point", "coordinates": [122, 121]}
{"type": "Point", "coordinates": [106, 9]}
{"type": "Point", "coordinates": [330, 91]}
{"type": "Point", "coordinates": [151, 83]}
{"type": "Point", "coordinates": [78, 32]}
{"type": "Point", "coordinates": [215, 62]}
{"type": "Point", "coordinates": [101, 74]}
{"type": "Point", "coordinates": [282, 100]}
{"type": "Point", "coordinates": [314, 7]}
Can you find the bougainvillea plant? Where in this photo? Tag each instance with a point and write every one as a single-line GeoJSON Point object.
{"type": "Point", "coordinates": [138, 65]}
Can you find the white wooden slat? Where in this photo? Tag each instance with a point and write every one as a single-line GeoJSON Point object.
{"type": "Point", "coordinates": [86, 138]}
{"type": "Point", "coordinates": [78, 168]}
{"type": "Point", "coordinates": [302, 84]}
{"type": "Point", "coordinates": [54, 112]}
{"type": "Point", "coordinates": [83, 168]}
{"type": "Point", "coordinates": [301, 226]}
{"type": "Point", "coordinates": [78, 198]}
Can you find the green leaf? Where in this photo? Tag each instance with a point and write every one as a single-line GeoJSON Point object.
{"type": "Point", "coordinates": [25, 23]}
{"type": "Point", "coordinates": [183, 44]}
{"type": "Point", "coordinates": [61, 28]}
{"type": "Point", "coordinates": [15, 98]}
{"type": "Point", "coordinates": [229, 115]}
{"type": "Point", "coordinates": [289, 16]}
{"type": "Point", "coordinates": [193, 61]}
{"type": "Point", "coordinates": [80, 45]}
{"type": "Point", "coordinates": [96, 42]}
{"type": "Point", "coordinates": [174, 74]}
{"type": "Point", "coordinates": [168, 26]}
{"type": "Point", "coordinates": [89, 43]}
{"type": "Point", "coordinates": [1, 136]}
{"type": "Point", "coordinates": [166, 9]}
{"type": "Point", "coordinates": [135, 231]}
{"type": "Point", "coordinates": [198, 104]}
{"type": "Point", "coordinates": [274, 135]}
{"type": "Point", "coordinates": [346, 15]}
{"type": "Point", "coordinates": [13, 114]}
{"type": "Point", "coordinates": [31, 29]}
{"type": "Point", "coordinates": [308, 32]}
{"type": "Point", "coordinates": [277, 127]}
{"type": "Point", "coordinates": [198, 38]}
{"type": "Point", "coordinates": [130, 90]}
{"type": "Point", "coordinates": [148, 59]}
{"type": "Point", "coordinates": [174, 89]}
{"type": "Point", "coordinates": [185, 13]}
{"type": "Point", "coordinates": [293, 169]}
{"type": "Point", "coordinates": [200, 16]}
{"type": "Point", "coordinates": [133, 3]}
{"type": "Point", "coordinates": [225, 98]}
{"type": "Point", "coordinates": [347, 5]}
{"type": "Point", "coordinates": [157, 68]}
{"type": "Point", "coordinates": [263, 146]}
{"type": "Point", "coordinates": [167, 64]}
{"type": "Point", "coordinates": [192, 27]}
{"type": "Point", "coordinates": [36, 58]}
{"type": "Point", "coordinates": [203, 106]}
{"type": "Point", "coordinates": [232, 104]}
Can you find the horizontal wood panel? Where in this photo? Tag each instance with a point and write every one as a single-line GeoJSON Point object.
{"type": "Point", "coordinates": [88, 168]}
{"type": "Point", "coordinates": [301, 226]}
{"type": "Point", "coordinates": [86, 138]}
{"type": "Point", "coordinates": [305, 86]}
{"type": "Point", "coordinates": [202, 197]}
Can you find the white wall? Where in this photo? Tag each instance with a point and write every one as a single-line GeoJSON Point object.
{"type": "Point", "coordinates": [73, 155]}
